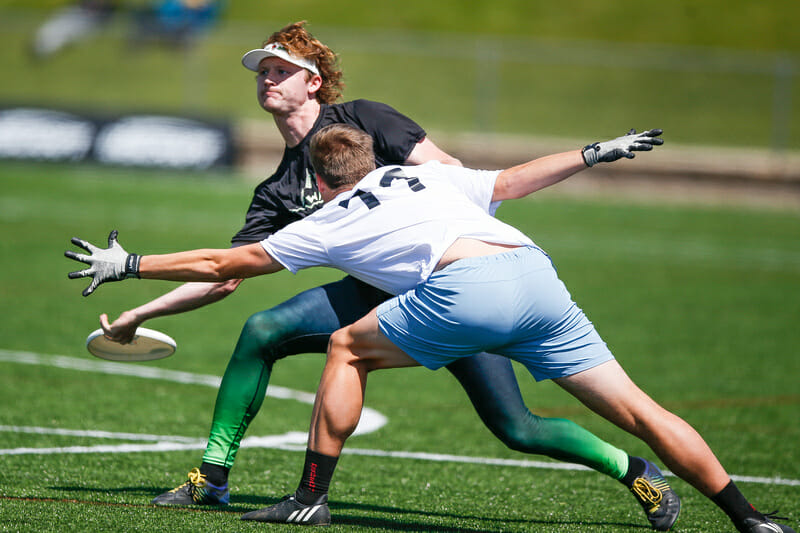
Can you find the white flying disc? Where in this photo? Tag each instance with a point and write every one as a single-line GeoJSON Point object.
{"type": "Point", "coordinates": [147, 345]}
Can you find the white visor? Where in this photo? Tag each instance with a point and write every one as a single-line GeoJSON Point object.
{"type": "Point", "coordinates": [253, 58]}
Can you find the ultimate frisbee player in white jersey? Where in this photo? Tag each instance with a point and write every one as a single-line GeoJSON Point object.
{"type": "Point", "coordinates": [299, 84]}
{"type": "Point", "coordinates": [464, 283]}
{"type": "Point", "coordinates": [369, 225]}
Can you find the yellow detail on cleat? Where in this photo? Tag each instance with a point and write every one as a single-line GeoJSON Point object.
{"type": "Point", "coordinates": [196, 479]}
{"type": "Point", "coordinates": [647, 492]}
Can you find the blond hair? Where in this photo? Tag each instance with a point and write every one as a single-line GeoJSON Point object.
{"type": "Point", "coordinates": [341, 155]}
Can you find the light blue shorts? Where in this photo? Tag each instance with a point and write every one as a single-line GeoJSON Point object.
{"type": "Point", "coordinates": [511, 304]}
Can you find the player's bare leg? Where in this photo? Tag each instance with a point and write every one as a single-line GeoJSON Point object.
{"type": "Point", "coordinates": [607, 390]}
{"type": "Point", "coordinates": [353, 352]}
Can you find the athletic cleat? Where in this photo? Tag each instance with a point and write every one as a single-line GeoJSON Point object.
{"type": "Point", "coordinates": [289, 510]}
{"type": "Point", "coordinates": [659, 501]}
{"type": "Point", "coordinates": [196, 491]}
{"type": "Point", "coordinates": [764, 524]}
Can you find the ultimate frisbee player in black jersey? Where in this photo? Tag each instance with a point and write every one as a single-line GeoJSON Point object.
{"type": "Point", "coordinates": [297, 82]}
{"type": "Point", "coordinates": [291, 192]}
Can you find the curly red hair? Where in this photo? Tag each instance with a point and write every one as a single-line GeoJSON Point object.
{"type": "Point", "coordinates": [301, 43]}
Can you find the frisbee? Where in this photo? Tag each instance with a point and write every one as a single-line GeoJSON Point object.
{"type": "Point", "coordinates": [147, 345]}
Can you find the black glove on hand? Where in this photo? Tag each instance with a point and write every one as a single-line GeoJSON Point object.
{"type": "Point", "coordinates": [109, 264]}
{"type": "Point", "coordinates": [608, 151]}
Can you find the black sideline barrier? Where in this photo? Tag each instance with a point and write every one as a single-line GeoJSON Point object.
{"type": "Point", "coordinates": [144, 140]}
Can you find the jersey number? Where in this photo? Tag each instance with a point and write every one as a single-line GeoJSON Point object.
{"type": "Point", "coordinates": [386, 181]}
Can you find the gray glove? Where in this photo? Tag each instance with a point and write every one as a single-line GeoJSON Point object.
{"type": "Point", "coordinates": [608, 151]}
{"type": "Point", "coordinates": [109, 264]}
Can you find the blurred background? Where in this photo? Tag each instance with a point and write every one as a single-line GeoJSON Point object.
{"type": "Point", "coordinates": [494, 82]}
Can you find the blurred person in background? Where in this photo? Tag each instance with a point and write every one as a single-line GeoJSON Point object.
{"type": "Point", "coordinates": [170, 22]}
{"type": "Point", "coordinates": [71, 24]}
{"type": "Point", "coordinates": [174, 22]}
{"type": "Point", "coordinates": [298, 82]}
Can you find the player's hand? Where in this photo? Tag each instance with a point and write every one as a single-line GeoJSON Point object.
{"type": "Point", "coordinates": [105, 264]}
{"type": "Point", "coordinates": [608, 151]}
{"type": "Point", "coordinates": [123, 329]}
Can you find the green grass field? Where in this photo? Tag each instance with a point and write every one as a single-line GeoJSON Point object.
{"type": "Point", "coordinates": [699, 304]}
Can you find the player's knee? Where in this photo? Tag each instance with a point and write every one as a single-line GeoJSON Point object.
{"type": "Point", "coordinates": [519, 441]}
{"type": "Point", "coordinates": [342, 350]}
{"type": "Point", "coordinates": [340, 346]}
{"type": "Point", "coordinates": [263, 335]}
{"type": "Point", "coordinates": [521, 435]}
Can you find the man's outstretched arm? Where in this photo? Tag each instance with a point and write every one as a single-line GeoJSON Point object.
{"type": "Point", "coordinates": [115, 264]}
{"type": "Point", "coordinates": [209, 264]}
{"type": "Point", "coordinates": [527, 178]}
{"type": "Point", "coordinates": [186, 297]}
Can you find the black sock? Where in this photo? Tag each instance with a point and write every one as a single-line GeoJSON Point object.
{"type": "Point", "coordinates": [636, 467]}
{"type": "Point", "coordinates": [317, 474]}
{"type": "Point", "coordinates": [733, 502]}
{"type": "Point", "coordinates": [215, 474]}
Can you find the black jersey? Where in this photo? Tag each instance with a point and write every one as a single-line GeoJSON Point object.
{"type": "Point", "coordinates": [291, 192]}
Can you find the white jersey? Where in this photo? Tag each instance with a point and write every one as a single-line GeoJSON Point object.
{"type": "Point", "coordinates": [394, 226]}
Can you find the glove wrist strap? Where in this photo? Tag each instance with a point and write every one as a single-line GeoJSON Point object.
{"type": "Point", "coordinates": [589, 154]}
{"type": "Point", "coordinates": [132, 266]}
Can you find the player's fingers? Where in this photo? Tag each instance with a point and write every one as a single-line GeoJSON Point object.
{"type": "Point", "coordinates": [86, 245]}
{"type": "Point", "coordinates": [654, 132]}
{"type": "Point", "coordinates": [92, 286]}
{"type": "Point", "coordinates": [642, 146]}
{"type": "Point", "coordinates": [80, 274]}
{"type": "Point", "coordinates": [650, 140]}
{"type": "Point", "coordinates": [112, 238]}
{"type": "Point", "coordinates": [105, 324]}
{"type": "Point", "coordinates": [78, 257]}
{"type": "Point", "coordinates": [121, 335]}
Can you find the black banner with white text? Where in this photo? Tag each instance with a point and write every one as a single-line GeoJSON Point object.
{"type": "Point", "coordinates": [146, 140]}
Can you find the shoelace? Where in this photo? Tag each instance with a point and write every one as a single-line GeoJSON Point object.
{"type": "Point", "coordinates": [774, 516]}
{"type": "Point", "coordinates": [195, 478]}
{"type": "Point", "coordinates": [647, 493]}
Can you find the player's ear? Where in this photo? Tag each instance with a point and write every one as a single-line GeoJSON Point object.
{"type": "Point", "coordinates": [322, 187]}
{"type": "Point", "coordinates": [320, 184]}
{"type": "Point", "coordinates": [314, 83]}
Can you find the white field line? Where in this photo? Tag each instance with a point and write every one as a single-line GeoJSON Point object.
{"type": "Point", "coordinates": [371, 420]}
{"type": "Point", "coordinates": [296, 442]}
{"type": "Point", "coordinates": [290, 441]}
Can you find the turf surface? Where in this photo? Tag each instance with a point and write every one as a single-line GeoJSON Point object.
{"type": "Point", "coordinates": [699, 304]}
